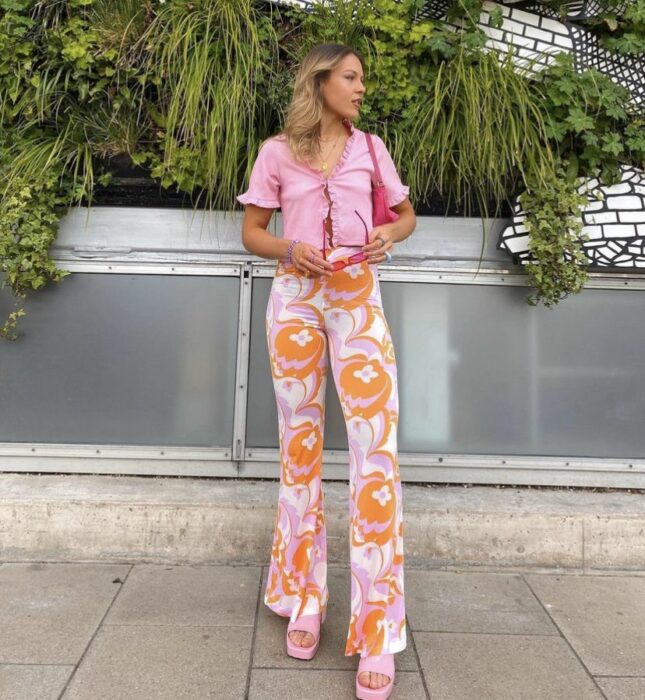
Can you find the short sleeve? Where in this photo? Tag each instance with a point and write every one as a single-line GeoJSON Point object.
{"type": "Point", "coordinates": [395, 190]}
{"type": "Point", "coordinates": [264, 183]}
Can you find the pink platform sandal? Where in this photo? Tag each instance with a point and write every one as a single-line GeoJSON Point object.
{"type": "Point", "coordinates": [306, 623]}
{"type": "Point", "coordinates": [375, 664]}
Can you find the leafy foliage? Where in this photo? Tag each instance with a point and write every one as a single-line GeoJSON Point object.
{"type": "Point", "coordinates": [189, 88]}
{"type": "Point", "coordinates": [29, 216]}
{"type": "Point", "coordinates": [587, 120]}
{"type": "Point", "coordinates": [559, 266]}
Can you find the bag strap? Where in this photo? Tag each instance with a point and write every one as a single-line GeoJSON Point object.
{"type": "Point", "coordinates": [377, 170]}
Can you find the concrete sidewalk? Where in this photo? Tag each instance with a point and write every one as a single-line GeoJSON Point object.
{"type": "Point", "coordinates": [156, 631]}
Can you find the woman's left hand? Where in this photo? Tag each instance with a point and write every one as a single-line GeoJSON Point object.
{"type": "Point", "coordinates": [380, 241]}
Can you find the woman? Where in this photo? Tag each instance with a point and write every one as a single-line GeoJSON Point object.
{"type": "Point", "coordinates": [326, 296]}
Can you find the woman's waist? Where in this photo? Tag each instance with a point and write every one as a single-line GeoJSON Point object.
{"type": "Point", "coordinates": [330, 242]}
{"type": "Point", "coordinates": [348, 255]}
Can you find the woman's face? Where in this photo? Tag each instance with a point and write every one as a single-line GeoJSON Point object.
{"type": "Point", "coordinates": [343, 87]}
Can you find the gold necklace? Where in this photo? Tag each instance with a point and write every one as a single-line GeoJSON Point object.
{"type": "Point", "coordinates": [324, 163]}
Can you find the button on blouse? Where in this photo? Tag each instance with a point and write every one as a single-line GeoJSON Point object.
{"type": "Point", "coordinates": [278, 181]}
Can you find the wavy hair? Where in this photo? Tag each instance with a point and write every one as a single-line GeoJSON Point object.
{"type": "Point", "coordinates": [303, 115]}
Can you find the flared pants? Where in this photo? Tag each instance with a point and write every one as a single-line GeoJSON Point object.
{"type": "Point", "coordinates": [307, 319]}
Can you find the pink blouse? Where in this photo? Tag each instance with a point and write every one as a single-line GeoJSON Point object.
{"type": "Point", "coordinates": [279, 181]}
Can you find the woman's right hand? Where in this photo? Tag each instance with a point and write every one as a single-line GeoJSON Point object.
{"type": "Point", "coordinates": [307, 259]}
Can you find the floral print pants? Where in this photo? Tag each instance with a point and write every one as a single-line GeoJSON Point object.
{"type": "Point", "coordinates": [306, 317]}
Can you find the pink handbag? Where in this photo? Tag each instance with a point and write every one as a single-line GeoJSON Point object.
{"type": "Point", "coordinates": [381, 213]}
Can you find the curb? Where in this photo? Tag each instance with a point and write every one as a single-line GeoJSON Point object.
{"type": "Point", "coordinates": [78, 517]}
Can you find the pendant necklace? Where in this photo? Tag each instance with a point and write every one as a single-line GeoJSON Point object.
{"type": "Point", "coordinates": [324, 162]}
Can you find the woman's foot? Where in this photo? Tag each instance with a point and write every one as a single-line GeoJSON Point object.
{"type": "Point", "coordinates": [303, 636]}
{"type": "Point", "coordinates": [375, 677]}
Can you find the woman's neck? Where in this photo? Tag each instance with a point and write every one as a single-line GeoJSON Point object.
{"type": "Point", "coordinates": [331, 129]}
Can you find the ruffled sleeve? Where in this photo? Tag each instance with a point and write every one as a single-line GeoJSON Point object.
{"type": "Point", "coordinates": [395, 190]}
{"type": "Point", "coordinates": [264, 183]}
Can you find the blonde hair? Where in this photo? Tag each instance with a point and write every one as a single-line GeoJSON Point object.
{"type": "Point", "coordinates": [303, 115]}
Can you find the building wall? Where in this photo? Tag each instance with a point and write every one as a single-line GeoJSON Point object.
{"type": "Point", "coordinates": [151, 359]}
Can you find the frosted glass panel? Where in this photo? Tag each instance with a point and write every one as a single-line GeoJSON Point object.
{"type": "Point", "coordinates": [262, 415]}
{"type": "Point", "coordinates": [123, 359]}
{"type": "Point", "coordinates": [481, 372]}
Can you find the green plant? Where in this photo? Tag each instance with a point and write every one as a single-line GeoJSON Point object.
{"type": "Point", "coordinates": [29, 216]}
{"type": "Point", "coordinates": [65, 77]}
{"type": "Point", "coordinates": [591, 132]}
{"type": "Point", "coordinates": [558, 265]}
{"type": "Point", "coordinates": [208, 62]}
{"type": "Point", "coordinates": [587, 121]}
{"type": "Point", "coordinates": [624, 33]}
{"type": "Point", "coordinates": [477, 130]}
{"type": "Point", "coordinates": [179, 87]}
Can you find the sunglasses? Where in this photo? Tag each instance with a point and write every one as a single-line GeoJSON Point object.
{"type": "Point", "coordinates": [352, 259]}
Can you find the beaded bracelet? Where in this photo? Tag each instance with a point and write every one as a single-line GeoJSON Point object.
{"type": "Point", "coordinates": [291, 245]}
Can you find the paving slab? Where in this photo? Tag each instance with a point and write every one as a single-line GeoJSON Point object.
{"type": "Point", "coordinates": [603, 617]}
{"type": "Point", "coordinates": [164, 663]}
{"type": "Point", "coordinates": [187, 595]}
{"type": "Point", "coordinates": [87, 630]}
{"type": "Point", "coordinates": [502, 667]}
{"type": "Point", "coordinates": [49, 612]}
{"type": "Point", "coordinates": [292, 684]}
{"type": "Point", "coordinates": [18, 682]}
{"type": "Point", "coordinates": [447, 601]}
{"type": "Point", "coordinates": [622, 688]}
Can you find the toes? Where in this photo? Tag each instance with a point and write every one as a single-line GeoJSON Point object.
{"type": "Point", "coordinates": [301, 639]}
{"type": "Point", "coordinates": [373, 680]}
{"type": "Point", "coordinates": [381, 680]}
